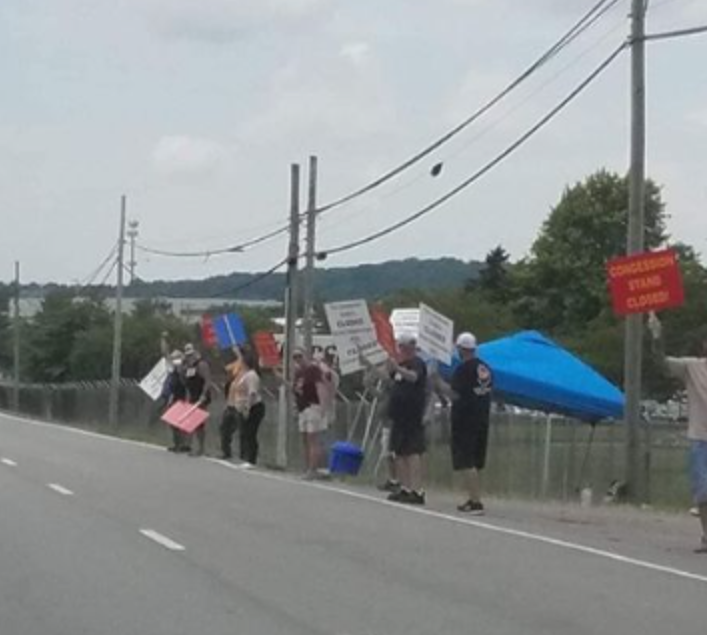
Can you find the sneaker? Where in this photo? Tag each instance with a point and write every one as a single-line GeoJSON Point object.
{"type": "Point", "coordinates": [390, 486]}
{"type": "Point", "coordinates": [695, 512]}
{"type": "Point", "coordinates": [400, 496]}
{"type": "Point", "coordinates": [474, 508]}
{"type": "Point", "coordinates": [173, 448]}
{"type": "Point", "coordinates": [703, 546]}
{"type": "Point", "coordinates": [415, 498]}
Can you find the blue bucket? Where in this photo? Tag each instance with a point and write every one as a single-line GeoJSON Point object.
{"type": "Point", "coordinates": [345, 458]}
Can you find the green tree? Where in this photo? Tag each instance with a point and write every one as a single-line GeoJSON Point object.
{"type": "Point", "coordinates": [562, 285]}
{"type": "Point", "coordinates": [493, 277]}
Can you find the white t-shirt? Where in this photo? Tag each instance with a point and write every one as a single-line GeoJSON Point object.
{"type": "Point", "coordinates": [692, 371]}
{"type": "Point", "coordinates": [245, 391]}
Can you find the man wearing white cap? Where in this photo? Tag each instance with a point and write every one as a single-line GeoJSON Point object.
{"type": "Point", "coordinates": [406, 408]}
{"type": "Point", "coordinates": [471, 387]}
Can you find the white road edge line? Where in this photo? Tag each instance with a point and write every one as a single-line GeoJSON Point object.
{"type": "Point", "coordinates": [60, 489]}
{"type": "Point", "coordinates": [162, 540]}
{"type": "Point", "coordinates": [84, 433]}
{"type": "Point", "coordinates": [507, 531]}
{"type": "Point", "coordinates": [8, 462]}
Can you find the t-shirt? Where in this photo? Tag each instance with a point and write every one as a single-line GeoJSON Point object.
{"type": "Point", "coordinates": [472, 383]}
{"type": "Point", "coordinates": [407, 399]}
{"type": "Point", "coordinates": [307, 378]}
{"type": "Point", "coordinates": [692, 371]}
{"type": "Point", "coordinates": [244, 391]}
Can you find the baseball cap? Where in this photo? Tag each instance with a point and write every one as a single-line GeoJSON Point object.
{"type": "Point", "coordinates": [406, 339]}
{"type": "Point", "coordinates": [467, 341]}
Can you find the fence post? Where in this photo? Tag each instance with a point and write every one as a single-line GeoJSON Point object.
{"type": "Point", "coordinates": [281, 439]}
{"type": "Point", "coordinates": [546, 455]}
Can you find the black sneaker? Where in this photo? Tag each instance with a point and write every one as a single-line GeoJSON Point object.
{"type": "Point", "coordinates": [473, 508]}
{"type": "Point", "coordinates": [401, 496]}
{"type": "Point", "coordinates": [390, 486]}
{"type": "Point", "coordinates": [415, 498]}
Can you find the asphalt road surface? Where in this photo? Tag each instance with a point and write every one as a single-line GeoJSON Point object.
{"type": "Point", "coordinates": [100, 536]}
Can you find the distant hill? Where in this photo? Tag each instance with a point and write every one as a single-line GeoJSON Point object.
{"type": "Point", "coordinates": [365, 281]}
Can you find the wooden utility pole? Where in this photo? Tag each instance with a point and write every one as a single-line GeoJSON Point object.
{"type": "Point", "coordinates": [118, 322]}
{"type": "Point", "coordinates": [310, 257]}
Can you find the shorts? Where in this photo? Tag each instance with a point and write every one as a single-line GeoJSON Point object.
{"type": "Point", "coordinates": [698, 471]}
{"type": "Point", "coordinates": [312, 420]}
{"type": "Point", "coordinates": [407, 438]}
{"type": "Point", "coordinates": [469, 445]}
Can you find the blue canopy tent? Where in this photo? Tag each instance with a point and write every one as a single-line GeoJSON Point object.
{"type": "Point", "coordinates": [532, 371]}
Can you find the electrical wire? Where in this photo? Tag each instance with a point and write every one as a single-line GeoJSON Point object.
{"type": "Point", "coordinates": [669, 35]}
{"type": "Point", "coordinates": [486, 168]}
{"type": "Point", "coordinates": [91, 278]}
{"type": "Point", "coordinates": [593, 15]}
{"type": "Point", "coordinates": [238, 248]}
{"type": "Point", "coordinates": [253, 281]}
{"type": "Point", "coordinates": [582, 25]}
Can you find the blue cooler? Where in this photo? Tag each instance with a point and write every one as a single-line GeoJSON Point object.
{"type": "Point", "coordinates": [345, 458]}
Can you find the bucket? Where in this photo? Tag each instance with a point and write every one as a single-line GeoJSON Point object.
{"type": "Point", "coordinates": [345, 458]}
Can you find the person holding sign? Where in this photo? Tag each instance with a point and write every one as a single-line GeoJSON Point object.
{"type": "Point", "coordinates": [246, 407]}
{"type": "Point", "coordinates": [197, 377]}
{"type": "Point", "coordinates": [692, 372]}
{"type": "Point", "coordinates": [174, 390]}
{"type": "Point", "coordinates": [406, 409]}
{"type": "Point", "coordinates": [470, 391]}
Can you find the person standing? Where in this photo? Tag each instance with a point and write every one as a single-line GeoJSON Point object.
{"type": "Point", "coordinates": [692, 372]}
{"type": "Point", "coordinates": [406, 410]}
{"type": "Point", "coordinates": [310, 397]}
{"type": "Point", "coordinates": [244, 397]}
{"type": "Point", "coordinates": [470, 391]}
{"type": "Point", "coordinates": [174, 390]}
{"type": "Point", "coordinates": [197, 377]}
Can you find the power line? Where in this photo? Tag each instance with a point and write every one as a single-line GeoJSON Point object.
{"type": "Point", "coordinates": [233, 249]}
{"type": "Point", "coordinates": [489, 166]}
{"type": "Point", "coordinates": [253, 281]}
{"type": "Point", "coordinates": [594, 14]}
{"type": "Point", "coordinates": [669, 35]}
{"type": "Point", "coordinates": [583, 24]}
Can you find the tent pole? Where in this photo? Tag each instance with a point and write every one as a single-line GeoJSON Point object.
{"type": "Point", "coordinates": [546, 456]}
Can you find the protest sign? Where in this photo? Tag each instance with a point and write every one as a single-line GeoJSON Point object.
{"type": "Point", "coordinates": [354, 335]}
{"type": "Point", "coordinates": [405, 322]}
{"type": "Point", "coordinates": [436, 337]}
{"type": "Point", "coordinates": [384, 331]}
{"type": "Point", "coordinates": [646, 282]}
{"type": "Point", "coordinates": [153, 384]}
{"type": "Point", "coordinates": [208, 335]}
{"type": "Point", "coordinates": [185, 416]}
{"type": "Point", "coordinates": [267, 348]}
{"type": "Point", "coordinates": [230, 331]}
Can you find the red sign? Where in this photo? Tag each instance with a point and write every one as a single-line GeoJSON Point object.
{"type": "Point", "coordinates": [384, 331]}
{"type": "Point", "coordinates": [185, 416]}
{"type": "Point", "coordinates": [208, 333]}
{"type": "Point", "coordinates": [268, 350]}
{"type": "Point", "coordinates": [646, 282]}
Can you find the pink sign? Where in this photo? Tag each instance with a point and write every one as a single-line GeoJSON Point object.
{"type": "Point", "coordinates": [185, 416]}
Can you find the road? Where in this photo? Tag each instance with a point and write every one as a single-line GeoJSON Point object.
{"type": "Point", "coordinates": [101, 536]}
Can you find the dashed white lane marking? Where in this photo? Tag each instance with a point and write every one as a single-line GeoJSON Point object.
{"type": "Point", "coordinates": [60, 489]}
{"type": "Point", "coordinates": [8, 462]}
{"type": "Point", "coordinates": [507, 531]}
{"type": "Point", "coordinates": [162, 540]}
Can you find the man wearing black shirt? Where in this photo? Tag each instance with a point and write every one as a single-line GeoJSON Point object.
{"type": "Point", "coordinates": [406, 408]}
{"type": "Point", "coordinates": [471, 386]}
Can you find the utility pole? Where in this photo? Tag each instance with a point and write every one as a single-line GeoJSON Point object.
{"type": "Point", "coordinates": [309, 271]}
{"type": "Point", "coordinates": [286, 405]}
{"type": "Point", "coordinates": [133, 232]}
{"type": "Point", "coordinates": [633, 347]}
{"type": "Point", "coordinates": [118, 322]}
{"type": "Point", "coordinates": [16, 341]}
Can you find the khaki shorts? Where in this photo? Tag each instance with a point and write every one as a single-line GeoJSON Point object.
{"type": "Point", "coordinates": [313, 420]}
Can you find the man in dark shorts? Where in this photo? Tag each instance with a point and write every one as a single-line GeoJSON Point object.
{"type": "Point", "coordinates": [471, 386]}
{"type": "Point", "coordinates": [406, 409]}
{"type": "Point", "coordinates": [197, 378]}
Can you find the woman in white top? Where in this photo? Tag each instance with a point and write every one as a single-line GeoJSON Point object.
{"type": "Point", "coordinates": [244, 397]}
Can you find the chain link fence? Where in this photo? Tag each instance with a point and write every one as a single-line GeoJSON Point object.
{"type": "Point", "coordinates": [530, 456]}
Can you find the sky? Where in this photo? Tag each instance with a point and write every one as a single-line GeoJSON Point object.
{"type": "Point", "coordinates": [195, 110]}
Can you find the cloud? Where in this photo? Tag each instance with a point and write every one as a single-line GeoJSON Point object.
{"type": "Point", "coordinates": [226, 20]}
{"type": "Point", "coordinates": [182, 155]}
{"type": "Point", "coordinates": [358, 53]}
